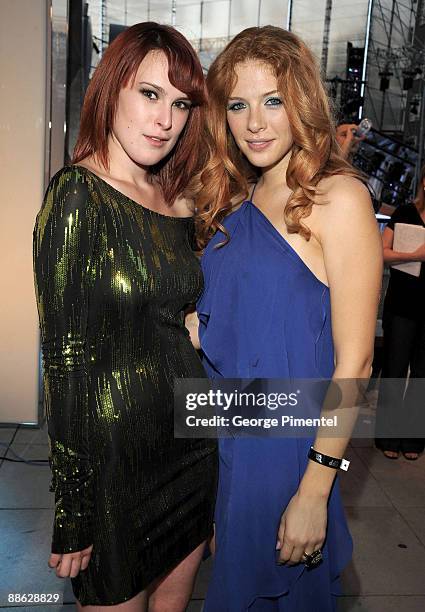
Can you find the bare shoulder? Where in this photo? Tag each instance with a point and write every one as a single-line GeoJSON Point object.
{"type": "Point", "coordinates": [344, 209]}
{"type": "Point", "coordinates": [344, 203]}
{"type": "Point", "coordinates": [344, 193]}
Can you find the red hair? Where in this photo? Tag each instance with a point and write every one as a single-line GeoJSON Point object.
{"type": "Point", "coordinates": [117, 67]}
{"type": "Point", "coordinates": [223, 183]}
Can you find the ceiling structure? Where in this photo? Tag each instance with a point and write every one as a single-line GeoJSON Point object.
{"type": "Point", "coordinates": [210, 23]}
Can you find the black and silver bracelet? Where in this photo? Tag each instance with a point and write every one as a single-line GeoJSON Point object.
{"type": "Point", "coordinates": [331, 462]}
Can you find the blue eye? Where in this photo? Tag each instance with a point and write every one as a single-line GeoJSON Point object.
{"type": "Point", "coordinates": [148, 93]}
{"type": "Point", "coordinates": [274, 102]}
{"type": "Point", "coordinates": [235, 106]}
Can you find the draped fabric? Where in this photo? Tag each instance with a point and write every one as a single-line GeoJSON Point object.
{"type": "Point", "coordinates": [263, 314]}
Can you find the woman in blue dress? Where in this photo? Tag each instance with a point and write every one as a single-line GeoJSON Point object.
{"type": "Point", "coordinates": [292, 277]}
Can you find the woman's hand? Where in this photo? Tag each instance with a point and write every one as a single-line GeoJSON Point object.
{"type": "Point", "coordinates": [69, 565]}
{"type": "Point", "coordinates": [192, 325]}
{"type": "Point", "coordinates": [302, 527]}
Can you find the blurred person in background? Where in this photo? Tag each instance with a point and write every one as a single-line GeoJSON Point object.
{"type": "Point", "coordinates": [401, 400]}
{"type": "Point", "coordinates": [347, 139]}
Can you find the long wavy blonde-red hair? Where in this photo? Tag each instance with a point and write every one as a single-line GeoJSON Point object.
{"type": "Point", "coordinates": [224, 180]}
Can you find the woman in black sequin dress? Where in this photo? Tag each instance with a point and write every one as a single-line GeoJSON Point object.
{"type": "Point", "coordinates": [114, 272]}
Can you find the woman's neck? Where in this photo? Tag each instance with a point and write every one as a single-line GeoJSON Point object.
{"type": "Point", "coordinates": [124, 168]}
{"type": "Point", "coordinates": [274, 177]}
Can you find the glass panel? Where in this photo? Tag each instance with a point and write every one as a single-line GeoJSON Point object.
{"type": "Point", "coordinates": [243, 14]}
{"type": "Point", "coordinates": [273, 13]}
{"type": "Point", "coordinates": [308, 23]}
{"type": "Point", "coordinates": [348, 23]}
{"type": "Point", "coordinates": [188, 19]}
{"type": "Point", "coordinates": [215, 18]}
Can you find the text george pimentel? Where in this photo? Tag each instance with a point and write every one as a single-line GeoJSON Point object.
{"type": "Point", "coordinates": [265, 423]}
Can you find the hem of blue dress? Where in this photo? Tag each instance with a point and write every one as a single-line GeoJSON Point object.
{"type": "Point", "coordinates": [335, 590]}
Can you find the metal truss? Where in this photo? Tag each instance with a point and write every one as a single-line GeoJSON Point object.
{"type": "Point", "coordinates": [394, 61]}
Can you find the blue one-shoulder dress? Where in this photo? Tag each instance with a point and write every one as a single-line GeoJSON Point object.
{"type": "Point", "coordinates": [264, 314]}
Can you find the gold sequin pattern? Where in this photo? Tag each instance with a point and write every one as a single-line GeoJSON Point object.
{"type": "Point", "coordinates": [112, 281]}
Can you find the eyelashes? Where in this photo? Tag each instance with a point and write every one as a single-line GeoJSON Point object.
{"type": "Point", "coordinates": [274, 101]}
{"type": "Point", "coordinates": [184, 105]}
{"type": "Point", "coordinates": [150, 94]}
{"type": "Point", "coordinates": [237, 106]}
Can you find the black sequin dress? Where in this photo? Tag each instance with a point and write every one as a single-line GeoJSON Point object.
{"type": "Point", "coordinates": [112, 280]}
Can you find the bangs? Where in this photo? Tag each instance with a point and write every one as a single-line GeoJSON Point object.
{"type": "Point", "coordinates": [117, 68]}
{"type": "Point", "coordinates": [184, 69]}
{"type": "Point", "coordinates": [185, 74]}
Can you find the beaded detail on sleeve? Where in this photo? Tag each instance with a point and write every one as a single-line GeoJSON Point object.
{"type": "Point", "coordinates": [63, 242]}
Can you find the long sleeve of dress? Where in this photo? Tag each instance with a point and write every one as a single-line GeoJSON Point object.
{"type": "Point", "coordinates": [64, 237]}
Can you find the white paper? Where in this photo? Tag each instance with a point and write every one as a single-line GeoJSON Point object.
{"type": "Point", "coordinates": [408, 238]}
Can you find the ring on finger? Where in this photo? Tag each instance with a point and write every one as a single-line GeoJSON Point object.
{"type": "Point", "coordinates": [313, 559]}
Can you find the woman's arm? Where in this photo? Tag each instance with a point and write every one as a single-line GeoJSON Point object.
{"type": "Point", "coordinates": [64, 235]}
{"type": "Point", "coordinates": [352, 252]}
{"type": "Point", "coordinates": [395, 257]}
